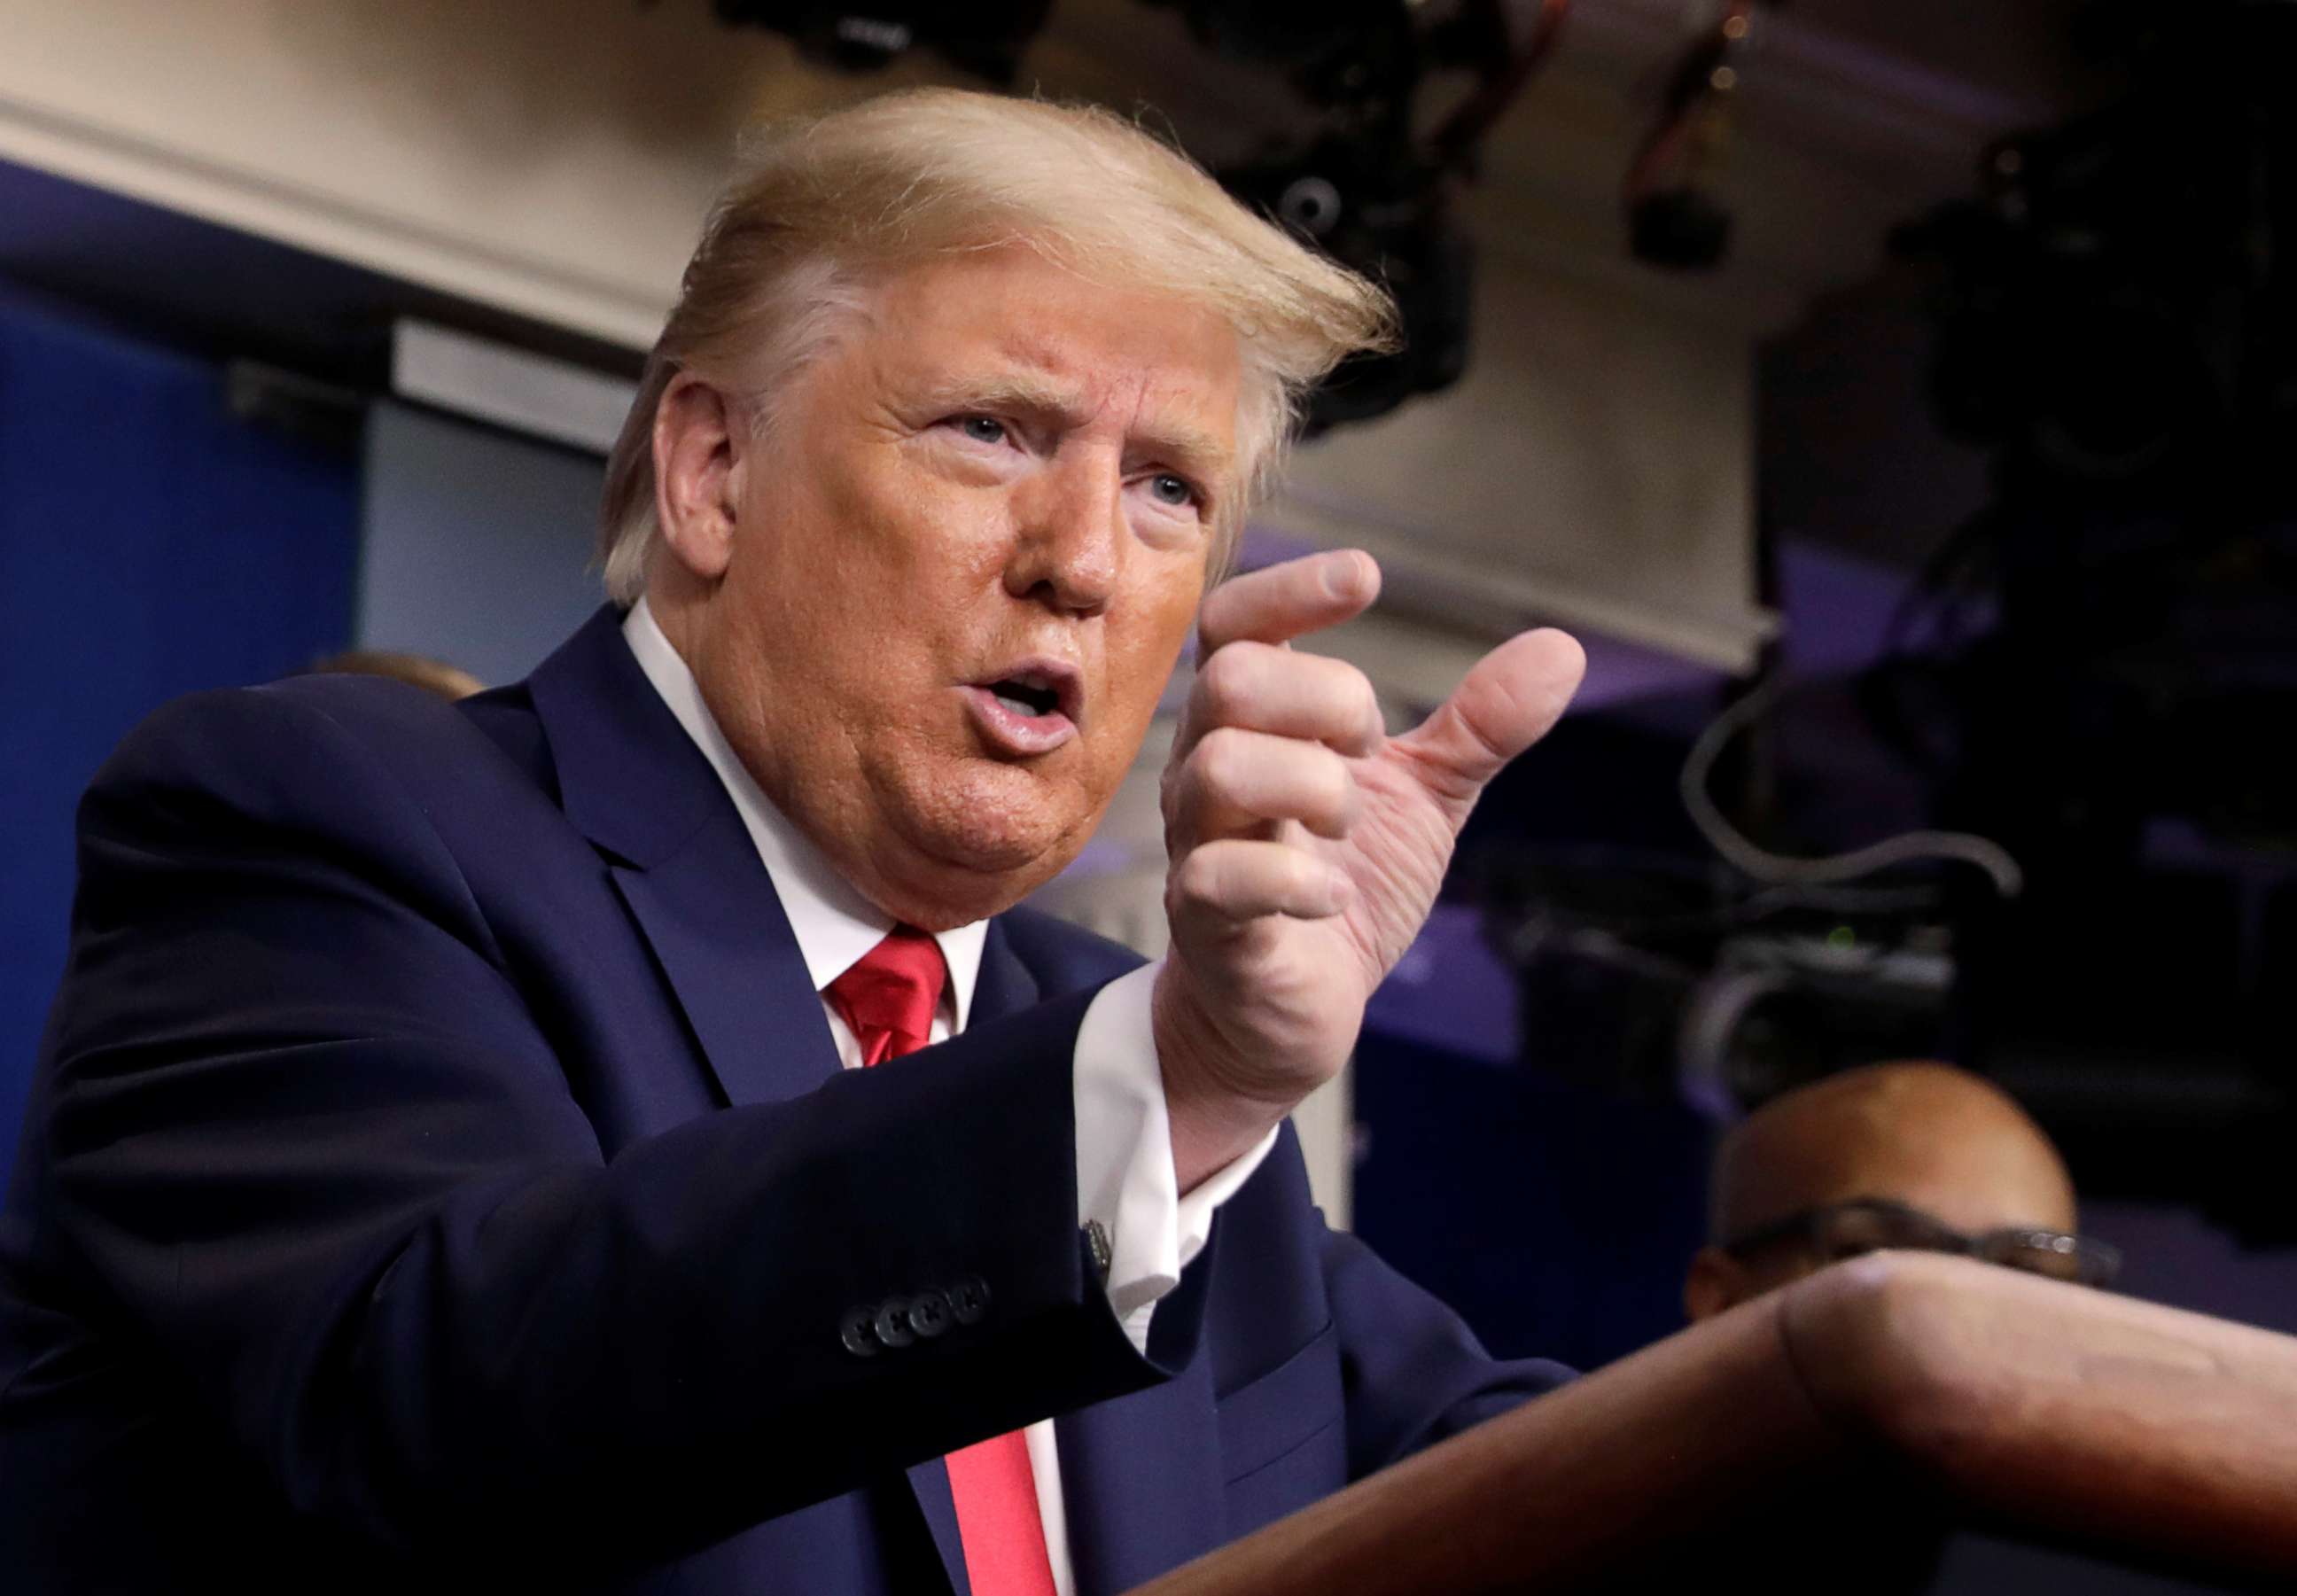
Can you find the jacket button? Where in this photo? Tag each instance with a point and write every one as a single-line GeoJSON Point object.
{"type": "Point", "coordinates": [891, 1323]}
{"type": "Point", "coordinates": [968, 1300]}
{"type": "Point", "coordinates": [929, 1313]}
{"type": "Point", "coordinates": [854, 1331]}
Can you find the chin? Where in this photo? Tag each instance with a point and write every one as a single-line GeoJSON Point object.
{"type": "Point", "coordinates": [998, 832]}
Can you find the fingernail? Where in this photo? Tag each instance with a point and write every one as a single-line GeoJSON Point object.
{"type": "Point", "coordinates": [1343, 575]}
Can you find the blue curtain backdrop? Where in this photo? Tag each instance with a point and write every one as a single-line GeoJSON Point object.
{"type": "Point", "coordinates": [150, 544]}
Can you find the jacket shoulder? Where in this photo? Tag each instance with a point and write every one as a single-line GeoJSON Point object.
{"type": "Point", "coordinates": [268, 747]}
{"type": "Point", "coordinates": [353, 773]}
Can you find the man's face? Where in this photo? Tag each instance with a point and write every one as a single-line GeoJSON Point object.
{"type": "Point", "coordinates": [963, 566]}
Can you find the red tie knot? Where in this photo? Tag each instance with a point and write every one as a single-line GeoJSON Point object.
{"type": "Point", "coordinates": [889, 996]}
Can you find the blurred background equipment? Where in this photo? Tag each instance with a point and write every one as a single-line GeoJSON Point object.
{"type": "Point", "coordinates": [2093, 672]}
{"type": "Point", "coordinates": [1659, 977]}
{"type": "Point", "coordinates": [2097, 668]}
{"type": "Point", "coordinates": [1374, 186]}
{"type": "Point", "coordinates": [1674, 218]}
{"type": "Point", "coordinates": [986, 38]}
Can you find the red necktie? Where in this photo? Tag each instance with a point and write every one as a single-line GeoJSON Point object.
{"type": "Point", "coordinates": [888, 1000]}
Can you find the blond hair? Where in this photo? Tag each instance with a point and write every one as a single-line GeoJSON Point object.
{"type": "Point", "coordinates": [821, 208]}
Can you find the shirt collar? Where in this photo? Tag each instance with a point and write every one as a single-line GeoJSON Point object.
{"type": "Point", "coordinates": [835, 924]}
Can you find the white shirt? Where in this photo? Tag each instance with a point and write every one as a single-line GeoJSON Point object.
{"type": "Point", "coordinates": [1123, 1138]}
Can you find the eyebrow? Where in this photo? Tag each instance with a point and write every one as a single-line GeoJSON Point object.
{"type": "Point", "coordinates": [1193, 449]}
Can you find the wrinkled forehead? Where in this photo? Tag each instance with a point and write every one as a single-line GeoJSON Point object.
{"type": "Point", "coordinates": [1007, 330]}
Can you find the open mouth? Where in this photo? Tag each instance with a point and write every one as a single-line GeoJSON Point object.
{"type": "Point", "coordinates": [1026, 695]}
{"type": "Point", "coordinates": [1030, 709]}
{"type": "Point", "coordinates": [1037, 688]}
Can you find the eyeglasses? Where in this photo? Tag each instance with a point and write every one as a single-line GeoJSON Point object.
{"type": "Point", "coordinates": [1839, 1230]}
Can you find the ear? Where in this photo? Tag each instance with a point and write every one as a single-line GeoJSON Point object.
{"type": "Point", "coordinates": [1715, 1281]}
{"type": "Point", "coordinates": [700, 447]}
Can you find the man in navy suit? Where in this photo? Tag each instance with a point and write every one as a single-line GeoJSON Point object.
{"type": "Point", "coordinates": [617, 1131]}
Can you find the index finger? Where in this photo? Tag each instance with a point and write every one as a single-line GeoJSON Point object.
{"type": "Point", "coordinates": [1279, 603]}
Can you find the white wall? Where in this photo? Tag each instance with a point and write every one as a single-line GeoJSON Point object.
{"type": "Point", "coordinates": [1593, 468]}
{"type": "Point", "coordinates": [474, 544]}
{"type": "Point", "coordinates": [552, 160]}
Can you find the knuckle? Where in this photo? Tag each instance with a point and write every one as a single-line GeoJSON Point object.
{"type": "Point", "coordinates": [1304, 875]}
{"type": "Point", "coordinates": [1367, 699]}
{"type": "Point", "coordinates": [1347, 696]}
{"type": "Point", "coordinates": [1224, 686]}
{"type": "Point", "coordinates": [1341, 691]}
{"type": "Point", "coordinates": [1223, 758]}
{"type": "Point", "coordinates": [1195, 880]}
{"type": "Point", "coordinates": [1171, 784]}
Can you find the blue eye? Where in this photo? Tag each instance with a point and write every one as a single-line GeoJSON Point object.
{"type": "Point", "coordinates": [981, 429]}
{"type": "Point", "coordinates": [1172, 489]}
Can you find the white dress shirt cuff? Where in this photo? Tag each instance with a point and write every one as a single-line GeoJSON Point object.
{"type": "Point", "coordinates": [1125, 1157]}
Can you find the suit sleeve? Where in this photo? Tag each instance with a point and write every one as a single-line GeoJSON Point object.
{"type": "Point", "coordinates": [1414, 1372]}
{"type": "Point", "coordinates": [311, 1147]}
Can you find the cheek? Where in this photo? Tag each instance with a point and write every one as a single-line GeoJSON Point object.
{"type": "Point", "coordinates": [1142, 654]}
{"type": "Point", "coordinates": [1160, 626]}
{"type": "Point", "coordinates": [902, 513]}
{"type": "Point", "coordinates": [896, 588]}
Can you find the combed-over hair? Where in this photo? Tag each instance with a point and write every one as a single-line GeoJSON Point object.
{"type": "Point", "coordinates": [819, 208]}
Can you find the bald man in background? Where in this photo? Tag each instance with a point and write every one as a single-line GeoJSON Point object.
{"type": "Point", "coordinates": [1920, 1156]}
{"type": "Point", "coordinates": [1909, 1156]}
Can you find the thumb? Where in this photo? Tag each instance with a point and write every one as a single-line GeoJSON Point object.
{"type": "Point", "coordinates": [1509, 700]}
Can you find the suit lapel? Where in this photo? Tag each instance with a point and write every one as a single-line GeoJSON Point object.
{"type": "Point", "coordinates": [634, 783]}
{"type": "Point", "coordinates": [1003, 986]}
{"type": "Point", "coordinates": [710, 914]}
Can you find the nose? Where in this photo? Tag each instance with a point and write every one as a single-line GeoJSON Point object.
{"type": "Point", "coordinates": [1071, 535]}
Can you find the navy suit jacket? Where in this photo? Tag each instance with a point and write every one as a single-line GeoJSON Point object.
{"type": "Point", "coordinates": [440, 1171]}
